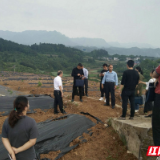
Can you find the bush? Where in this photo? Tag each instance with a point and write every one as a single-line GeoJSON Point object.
{"type": "Point", "coordinates": [39, 84]}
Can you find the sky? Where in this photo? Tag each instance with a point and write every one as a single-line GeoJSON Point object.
{"type": "Point", "coordinates": [121, 21]}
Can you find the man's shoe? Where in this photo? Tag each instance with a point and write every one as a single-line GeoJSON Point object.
{"type": "Point", "coordinates": [122, 118]}
{"type": "Point", "coordinates": [72, 100]}
{"type": "Point", "coordinates": [150, 115]}
{"type": "Point", "coordinates": [81, 100]}
{"type": "Point", "coordinates": [64, 112]}
{"type": "Point", "coordinates": [113, 107]}
{"type": "Point", "coordinates": [101, 99]}
{"type": "Point", "coordinates": [56, 112]}
{"type": "Point", "coordinates": [131, 118]}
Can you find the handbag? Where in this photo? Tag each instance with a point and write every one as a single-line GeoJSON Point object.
{"type": "Point", "coordinates": [139, 100]}
{"type": "Point", "coordinates": [79, 83]}
{"type": "Point", "coordinates": [151, 93]}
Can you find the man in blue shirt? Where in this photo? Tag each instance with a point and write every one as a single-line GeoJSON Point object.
{"type": "Point", "coordinates": [110, 80]}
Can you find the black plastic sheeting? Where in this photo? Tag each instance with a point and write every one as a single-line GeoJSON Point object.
{"type": "Point", "coordinates": [37, 102]}
{"type": "Point", "coordinates": [57, 134]}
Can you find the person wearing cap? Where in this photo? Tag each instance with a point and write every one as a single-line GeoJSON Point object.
{"type": "Point", "coordinates": [78, 74]}
{"type": "Point", "coordinates": [85, 71]}
{"type": "Point", "coordinates": [110, 80]}
{"type": "Point", "coordinates": [58, 93]}
{"type": "Point", "coordinates": [105, 69]}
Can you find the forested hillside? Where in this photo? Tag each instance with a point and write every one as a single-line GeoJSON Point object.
{"type": "Point", "coordinates": [48, 58]}
{"type": "Point", "coordinates": [35, 58]}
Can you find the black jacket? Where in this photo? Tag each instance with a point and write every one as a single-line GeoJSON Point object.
{"type": "Point", "coordinates": [76, 71]}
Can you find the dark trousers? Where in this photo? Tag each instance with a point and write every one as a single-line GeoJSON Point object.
{"type": "Point", "coordinates": [75, 90]}
{"type": "Point", "coordinates": [156, 120]}
{"type": "Point", "coordinates": [109, 88]}
{"type": "Point", "coordinates": [125, 96]}
{"type": "Point", "coordinates": [148, 106]}
{"type": "Point", "coordinates": [102, 90]}
{"type": "Point", "coordinates": [58, 101]}
{"type": "Point", "coordinates": [85, 90]}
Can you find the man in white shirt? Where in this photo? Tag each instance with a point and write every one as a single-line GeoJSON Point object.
{"type": "Point", "coordinates": [85, 71]}
{"type": "Point", "coordinates": [58, 93]}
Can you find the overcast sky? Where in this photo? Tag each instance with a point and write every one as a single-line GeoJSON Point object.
{"type": "Point", "coordinates": [113, 20]}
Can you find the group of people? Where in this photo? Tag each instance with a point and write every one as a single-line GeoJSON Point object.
{"type": "Point", "coordinates": [19, 132]}
{"type": "Point", "coordinates": [109, 82]}
{"type": "Point", "coordinates": [132, 84]}
{"type": "Point", "coordinates": [130, 90]}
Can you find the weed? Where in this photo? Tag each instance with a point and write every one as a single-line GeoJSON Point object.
{"type": "Point", "coordinates": [68, 97]}
{"type": "Point", "coordinates": [111, 158]}
{"type": "Point", "coordinates": [123, 139]}
{"type": "Point", "coordinates": [109, 122]}
{"type": "Point", "coordinates": [118, 87]}
{"type": "Point", "coordinates": [10, 91]}
{"type": "Point", "coordinates": [39, 84]}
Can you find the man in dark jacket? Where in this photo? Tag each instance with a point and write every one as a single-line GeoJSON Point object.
{"type": "Point", "coordinates": [105, 69]}
{"type": "Point", "coordinates": [130, 80]}
{"type": "Point", "coordinates": [77, 73]}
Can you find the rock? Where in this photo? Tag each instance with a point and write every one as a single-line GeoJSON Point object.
{"type": "Point", "coordinates": [106, 125]}
{"type": "Point", "coordinates": [129, 152]}
{"type": "Point", "coordinates": [135, 134]}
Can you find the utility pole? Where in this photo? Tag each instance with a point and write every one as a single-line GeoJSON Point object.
{"type": "Point", "coordinates": [14, 68]}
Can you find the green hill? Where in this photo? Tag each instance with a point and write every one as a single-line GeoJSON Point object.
{"type": "Point", "coordinates": [38, 58]}
{"type": "Point", "coordinates": [49, 58]}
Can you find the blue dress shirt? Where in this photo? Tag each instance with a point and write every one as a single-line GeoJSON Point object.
{"type": "Point", "coordinates": [110, 77]}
